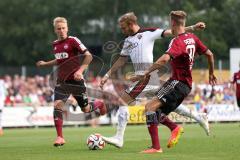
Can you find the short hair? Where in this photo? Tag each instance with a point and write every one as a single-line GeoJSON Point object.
{"type": "Point", "coordinates": [128, 18]}
{"type": "Point", "coordinates": [59, 19]}
{"type": "Point", "coordinates": [179, 17]}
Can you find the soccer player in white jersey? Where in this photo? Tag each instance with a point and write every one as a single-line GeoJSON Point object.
{"type": "Point", "coordinates": [2, 98]}
{"type": "Point", "coordinates": [139, 46]}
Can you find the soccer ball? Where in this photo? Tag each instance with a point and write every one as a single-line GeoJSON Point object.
{"type": "Point", "coordinates": [95, 142]}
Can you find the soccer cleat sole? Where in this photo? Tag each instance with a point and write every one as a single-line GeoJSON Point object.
{"type": "Point", "coordinates": [149, 151]}
{"type": "Point", "coordinates": [174, 142]}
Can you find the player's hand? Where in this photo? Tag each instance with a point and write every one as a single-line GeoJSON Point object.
{"type": "Point", "coordinates": [200, 26]}
{"type": "Point", "coordinates": [103, 81]}
{"type": "Point", "coordinates": [146, 74]}
{"type": "Point", "coordinates": [78, 75]}
{"type": "Point", "coordinates": [212, 79]}
{"type": "Point", "coordinates": [131, 76]}
{"type": "Point", "coordinates": [40, 63]}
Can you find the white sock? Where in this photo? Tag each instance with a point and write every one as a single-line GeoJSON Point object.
{"type": "Point", "coordinates": [184, 111]}
{"type": "Point", "coordinates": [123, 115]}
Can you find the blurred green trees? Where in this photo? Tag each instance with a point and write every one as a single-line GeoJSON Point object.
{"type": "Point", "coordinates": [26, 29]}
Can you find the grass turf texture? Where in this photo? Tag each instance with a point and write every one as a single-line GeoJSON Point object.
{"type": "Point", "coordinates": [36, 144]}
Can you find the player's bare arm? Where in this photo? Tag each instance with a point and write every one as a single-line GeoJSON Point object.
{"type": "Point", "coordinates": [196, 27]}
{"type": "Point", "coordinates": [158, 64]}
{"type": "Point", "coordinates": [119, 63]}
{"type": "Point", "coordinates": [210, 58]}
{"type": "Point", "coordinates": [46, 63]}
{"type": "Point", "coordinates": [134, 77]}
{"type": "Point", "coordinates": [78, 75]}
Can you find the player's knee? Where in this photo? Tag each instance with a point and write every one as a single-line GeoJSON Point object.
{"type": "Point", "coordinates": [147, 107]}
{"type": "Point", "coordinates": [85, 107]}
{"type": "Point", "coordinates": [152, 105]}
{"type": "Point", "coordinates": [58, 104]}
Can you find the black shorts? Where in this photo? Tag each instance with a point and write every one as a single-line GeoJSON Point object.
{"type": "Point", "coordinates": [238, 102]}
{"type": "Point", "coordinates": [77, 88]}
{"type": "Point", "coordinates": [135, 90]}
{"type": "Point", "coordinates": [171, 94]}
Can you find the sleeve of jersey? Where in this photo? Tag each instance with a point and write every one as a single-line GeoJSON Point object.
{"type": "Point", "coordinates": [201, 48]}
{"type": "Point", "coordinates": [172, 49]}
{"type": "Point", "coordinates": [126, 48]}
{"type": "Point", "coordinates": [79, 45]}
{"type": "Point", "coordinates": [157, 34]}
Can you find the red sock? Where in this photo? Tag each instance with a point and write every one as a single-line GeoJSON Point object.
{"type": "Point", "coordinates": [96, 105]}
{"type": "Point", "coordinates": [153, 131]}
{"type": "Point", "coordinates": [167, 122]}
{"type": "Point", "coordinates": [58, 121]}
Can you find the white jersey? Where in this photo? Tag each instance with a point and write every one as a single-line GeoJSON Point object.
{"type": "Point", "coordinates": [140, 48]}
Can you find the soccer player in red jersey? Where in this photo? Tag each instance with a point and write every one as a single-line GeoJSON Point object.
{"type": "Point", "coordinates": [236, 80]}
{"type": "Point", "coordinates": [181, 52]}
{"type": "Point", "coordinates": [72, 58]}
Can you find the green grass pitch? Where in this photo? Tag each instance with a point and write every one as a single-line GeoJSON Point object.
{"type": "Point", "coordinates": [36, 144]}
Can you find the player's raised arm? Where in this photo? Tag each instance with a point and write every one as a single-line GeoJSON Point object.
{"type": "Point", "coordinates": [196, 27]}
{"type": "Point", "coordinates": [46, 63]}
{"type": "Point", "coordinates": [118, 64]}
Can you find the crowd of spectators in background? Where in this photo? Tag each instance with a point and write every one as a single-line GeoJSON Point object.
{"type": "Point", "coordinates": [36, 91]}
{"type": "Point", "coordinates": [203, 94]}
{"type": "Point", "coordinates": [27, 91]}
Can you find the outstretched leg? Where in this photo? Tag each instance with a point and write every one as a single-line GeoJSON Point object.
{"type": "Point", "coordinates": [118, 139]}
{"type": "Point", "coordinates": [123, 114]}
{"type": "Point", "coordinates": [201, 118]}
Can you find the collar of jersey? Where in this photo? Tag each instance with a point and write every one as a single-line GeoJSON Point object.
{"type": "Point", "coordinates": [63, 40]}
{"type": "Point", "coordinates": [182, 33]}
{"type": "Point", "coordinates": [136, 32]}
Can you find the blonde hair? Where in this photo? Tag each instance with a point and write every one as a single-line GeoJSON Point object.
{"type": "Point", "coordinates": [128, 18]}
{"type": "Point", "coordinates": [59, 19]}
{"type": "Point", "coordinates": [179, 17]}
